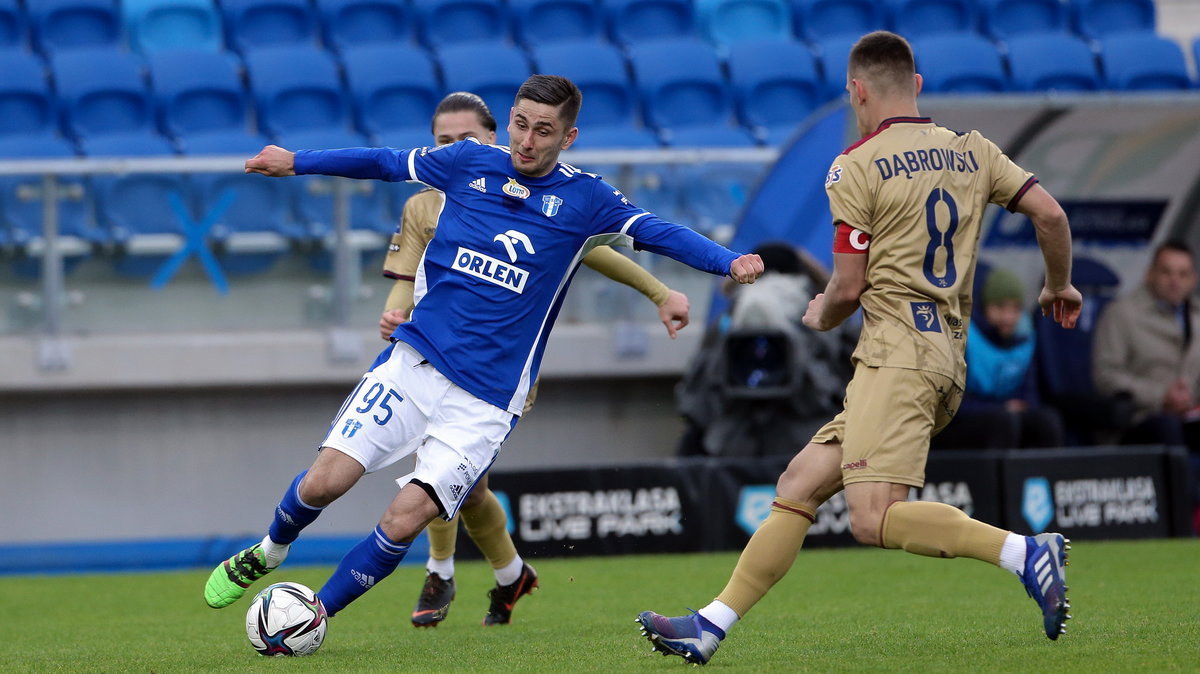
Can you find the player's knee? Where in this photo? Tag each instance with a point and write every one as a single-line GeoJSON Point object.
{"type": "Point", "coordinates": [319, 491]}
{"type": "Point", "coordinates": [864, 524]}
{"type": "Point", "coordinates": [476, 497]}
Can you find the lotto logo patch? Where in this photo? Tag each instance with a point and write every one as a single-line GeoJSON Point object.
{"type": "Point", "coordinates": [925, 317]}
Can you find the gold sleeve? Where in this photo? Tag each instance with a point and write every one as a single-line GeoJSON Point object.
{"type": "Point", "coordinates": [623, 270]}
{"type": "Point", "coordinates": [418, 224]}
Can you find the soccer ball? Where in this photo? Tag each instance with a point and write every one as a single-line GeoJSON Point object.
{"type": "Point", "coordinates": [286, 619]}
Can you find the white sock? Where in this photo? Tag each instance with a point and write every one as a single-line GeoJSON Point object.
{"type": "Point", "coordinates": [442, 567]}
{"type": "Point", "coordinates": [507, 575]}
{"type": "Point", "coordinates": [720, 615]}
{"type": "Point", "coordinates": [274, 552]}
{"type": "Point", "coordinates": [1012, 555]}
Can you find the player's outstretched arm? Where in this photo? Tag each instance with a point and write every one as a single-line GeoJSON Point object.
{"type": "Point", "coordinates": [273, 161]}
{"type": "Point", "coordinates": [672, 305]}
{"type": "Point", "coordinates": [1058, 298]}
{"type": "Point", "coordinates": [746, 268]}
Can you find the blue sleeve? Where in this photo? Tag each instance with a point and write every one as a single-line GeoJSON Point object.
{"type": "Point", "coordinates": [430, 165]}
{"type": "Point", "coordinates": [649, 232]}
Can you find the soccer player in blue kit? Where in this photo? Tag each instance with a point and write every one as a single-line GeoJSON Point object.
{"type": "Point", "coordinates": [452, 384]}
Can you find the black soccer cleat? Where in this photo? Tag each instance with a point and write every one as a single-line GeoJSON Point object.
{"type": "Point", "coordinates": [434, 603]}
{"type": "Point", "coordinates": [504, 597]}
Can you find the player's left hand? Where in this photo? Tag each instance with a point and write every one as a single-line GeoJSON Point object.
{"type": "Point", "coordinates": [812, 315]}
{"type": "Point", "coordinates": [746, 268]}
{"type": "Point", "coordinates": [674, 312]}
{"type": "Point", "coordinates": [1065, 305]}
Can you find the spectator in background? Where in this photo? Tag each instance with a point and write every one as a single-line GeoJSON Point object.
{"type": "Point", "coordinates": [1000, 409]}
{"type": "Point", "coordinates": [1146, 348]}
{"type": "Point", "coordinates": [760, 383]}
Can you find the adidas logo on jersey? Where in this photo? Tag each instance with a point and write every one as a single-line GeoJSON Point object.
{"type": "Point", "coordinates": [478, 184]}
{"type": "Point", "coordinates": [363, 579]}
{"type": "Point", "coordinates": [456, 491]}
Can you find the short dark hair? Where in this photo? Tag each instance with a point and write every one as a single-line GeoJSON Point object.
{"type": "Point", "coordinates": [884, 58]}
{"type": "Point", "coordinates": [553, 90]}
{"type": "Point", "coordinates": [461, 101]}
{"type": "Point", "coordinates": [1175, 245]}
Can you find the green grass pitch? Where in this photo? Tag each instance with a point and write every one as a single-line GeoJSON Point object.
{"type": "Point", "coordinates": [1136, 608]}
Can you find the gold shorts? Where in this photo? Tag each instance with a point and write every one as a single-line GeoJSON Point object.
{"type": "Point", "coordinates": [886, 422]}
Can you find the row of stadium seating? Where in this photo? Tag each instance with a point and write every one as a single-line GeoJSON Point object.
{"type": "Point", "coordinates": [244, 25]}
{"type": "Point", "coordinates": [675, 92]}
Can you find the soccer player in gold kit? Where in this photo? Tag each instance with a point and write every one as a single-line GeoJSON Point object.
{"type": "Point", "coordinates": [459, 116]}
{"type": "Point", "coordinates": [907, 202]}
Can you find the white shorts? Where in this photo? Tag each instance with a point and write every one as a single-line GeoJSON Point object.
{"type": "Point", "coordinates": [404, 405]}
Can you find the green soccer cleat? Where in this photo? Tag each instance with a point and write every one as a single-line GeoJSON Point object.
{"type": "Point", "coordinates": [228, 582]}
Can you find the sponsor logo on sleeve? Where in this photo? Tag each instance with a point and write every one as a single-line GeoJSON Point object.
{"type": "Point", "coordinates": [834, 175]}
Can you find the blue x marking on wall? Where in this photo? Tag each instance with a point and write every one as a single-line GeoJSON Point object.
{"type": "Point", "coordinates": [194, 242]}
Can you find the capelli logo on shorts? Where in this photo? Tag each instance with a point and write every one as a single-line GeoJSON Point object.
{"type": "Point", "coordinates": [855, 465]}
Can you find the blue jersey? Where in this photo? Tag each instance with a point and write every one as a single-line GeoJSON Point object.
{"type": "Point", "coordinates": [507, 245]}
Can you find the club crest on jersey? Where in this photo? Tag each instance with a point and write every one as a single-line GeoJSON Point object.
{"type": "Point", "coordinates": [490, 269]}
{"type": "Point", "coordinates": [515, 189]}
{"type": "Point", "coordinates": [550, 204]}
{"type": "Point", "coordinates": [925, 317]}
{"type": "Point", "coordinates": [834, 175]}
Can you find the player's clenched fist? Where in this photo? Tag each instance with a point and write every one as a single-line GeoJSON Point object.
{"type": "Point", "coordinates": [746, 269]}
{"type": "Point", "coordinates": [272, 161]}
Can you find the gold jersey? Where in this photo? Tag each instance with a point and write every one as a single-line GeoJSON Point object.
{"type": "Point", "coordinates": [918, 192]}
{"type": "Point", "coordinates": [418, 224]}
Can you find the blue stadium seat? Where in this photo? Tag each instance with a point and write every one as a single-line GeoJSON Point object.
{"type": "Point", "coordinates": [21, 204]}
{"type": "Point", "coordinates": [1064, 357]}
{"type": "Point", "coordinates": [297, 88]}
{"type": "Point", "coordinates": [776, 84]}
{"type": "Point", "coordinates": [1004, 19]}
{"type": "Point", "coordinates": [818, 20]}
{"type": "Point", "coordinates": [14, 25]}
{"type": "Point", "coordinates": [394, 87]}
{"type": "Point", "coordinates": [633, 21]}
{"type": "Point", "coordinates": [447, 22]}
{"type": "Point", "coordinates": [542, 21]}
{"type": "Point", "coordinates": [1052, 61]}
{"type": "Point", "coordinates": [619, 136]}
{"type": "Point", "coordinates": [492, 71]}
{"type": "Point", "coordinates": [102, 91]}
{"type": "Point", "coordinates": [158, 25]}
{"type": "Point", "coordinates": [74, 24]}
{"type": "Point", "coordinates": [144, 213]}
{"type": "Point", "coordinates": [1143, 61]}
{"type": "Point", "coordinates": [358, 23]}
{"type": "Point", "coordinates": [915, 19]}
{"type": "Point", "coordinates": [314, 194]}
{"type": "Point", "coordinates": [834, 55]}
{"type": "Point", "coordinates": [728, 21]}
{"type": "Point", "coordinates": [257, 24]}
{"type": "Point", "coordinates": [683, 91]}
{"type": "Point", "coordinates": [258, 225]}
{"type": "Point", "coordinates": [198, 90]}
{"type": "Point", "coordinates": [1102, 18]}
{"type": "Point", "coordinates": [959, 63]}
{"type": "Point", "coordinates": [27, 104]}
{"type": "Point", "coordinates": [599, 71]}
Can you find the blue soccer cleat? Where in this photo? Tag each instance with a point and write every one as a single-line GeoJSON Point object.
{"type": "Point", "coordinates": [691, 637]}
{"type": "Point", "coordinates": [1045, 579]}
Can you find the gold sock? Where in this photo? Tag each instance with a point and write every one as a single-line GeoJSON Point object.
{"type": "Point", "coordinates": [488, 526]}
{"type": "Point", "coordinates": [443, 536]}
{"type": "Point", "coordinates": [768, 555]}
{"type": "Point", "coordinates": [939, 530]}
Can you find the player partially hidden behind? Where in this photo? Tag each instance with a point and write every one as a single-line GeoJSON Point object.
{"type": "Point", "coordinates": [459, 116]}
{"type": "Point", "coordinates": [906, 201]}
{"type": "Point", "coordinates": [515, 225]}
